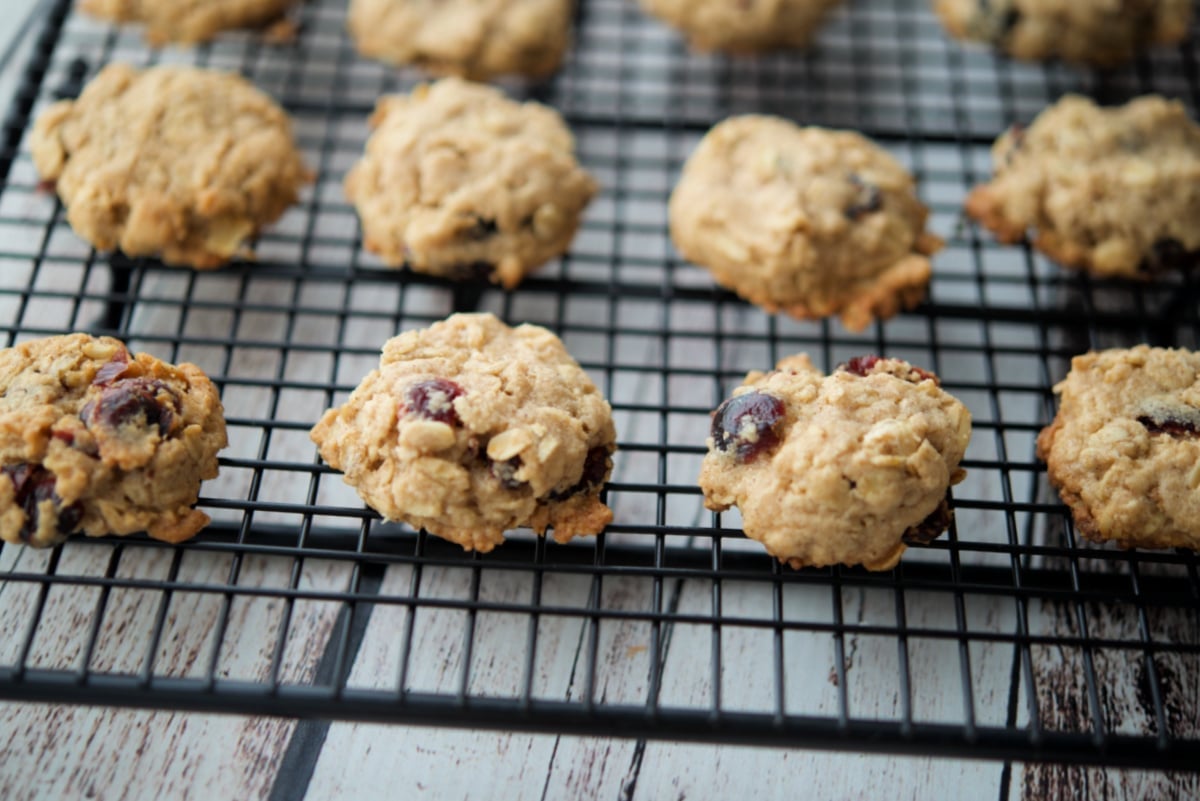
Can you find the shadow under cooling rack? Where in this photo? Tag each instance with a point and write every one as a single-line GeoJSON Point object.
{"type": "Point", "coordinates": [1009, 638]}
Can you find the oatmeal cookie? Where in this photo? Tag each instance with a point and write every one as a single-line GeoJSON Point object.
{"type": "Point", "coordinates": [1115, 191]}
{"type": "Point", "coordinates": [470, 428]}
{"type": "Point", "coordinates": [738, 26]}
{"type": "Point", "coordinates": [809, 221]}
{"type": "Point", "coordinates": [177, 162]}
{"type": "Point", "coordinates": [461, 182]}
{"type": "Point", "coordinates": [839, 469]}
{"type": "Point", "coordinates": [188, 21]}
{"type": "Point", "coordinates": [477, 39]}
{"type": "Point", "coordinates": [1124, 449]}
{"type": "Point", "coordinates": [97, 440]}
{"type": "Point", "coordinates": [1102, 33]}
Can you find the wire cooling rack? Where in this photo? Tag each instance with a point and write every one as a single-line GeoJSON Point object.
{"type": "Point", "coordinates": [1008, 638]}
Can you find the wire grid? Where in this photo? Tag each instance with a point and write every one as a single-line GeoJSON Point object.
{"type": "Point", "coordinates": [1008, 638]}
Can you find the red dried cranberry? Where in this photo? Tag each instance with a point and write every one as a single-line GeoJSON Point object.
{"type": "Point", "coordinates": [864, 365]}
{"type": "Point", "coordinates": [860, 365]}
{"type": "Point", "coordinates": [113, 369]}
{"type": "Point", "coordinates": [505, 472]}
{"type": "Point", "coordinates": [433, 400]}
{"type": "Point", "coordinates": [1185, 423]}
{"type": "Point", "coordinates": [749, 424]}
{"type": "Point", "coordinates": [32, 485]}
{"type": "Point", "coordinates": [595, 466]}
{"type": "Point", "coordinates": [126, 400]}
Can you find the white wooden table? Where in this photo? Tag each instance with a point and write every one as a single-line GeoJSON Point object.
{"type": "Point", "coordinates": [76, 752]}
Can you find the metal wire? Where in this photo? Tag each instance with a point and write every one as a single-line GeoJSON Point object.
{"type": "Point", "coordinates": [292, 333]}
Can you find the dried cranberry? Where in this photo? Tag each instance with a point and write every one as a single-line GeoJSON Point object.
{"type": "Point", "coordinates": [749, 424]}
{"type": "Point", "coordinates": [1182, 423]}
{"type": "Point", "coordinates": [595, 466]}
{"type": "Point", "coordinates": [867, 198]}
{"type": "Point", "coordinates": [128, 399]}
{"type": "Point", "coordinates": [64, 436]}
{"type": "Point", "coordinates": [505, 472]}
{"type": "Point", "coordinates": [932, 526]}
{"type": "Point", "coordinates": [865, 365]}
{"type": "Point", "coordinates": [113, 369]}
{"type": "Point", "coordinates": [860, 365]}
{"type": "Point", "coordinates": [433, 400]}
{"type": "Point", "coordinates": [32, 485]}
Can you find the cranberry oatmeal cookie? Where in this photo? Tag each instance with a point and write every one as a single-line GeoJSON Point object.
{"type": "Point", "coordinates": [177, 162]}
{"type": "Point", "coordinates": [461, 182]}
{"type": "Point", "coordinates": [743, 26]}
{"type": "Point", "coordinates": [839, 469]}
{"type": "Point", "coordinates": [97, 440]}
{"type": "Point", "coordinates": [808, 221]}
{"type": "Point", "coordinates": [1102, 33]}
{"type": "Point", "coordinates": [470, 428]}
{"type": "Point", "coordinates": [478, 39]}
{"type": "Point", "coordinates": [1115, 191]}
{"type": "Point", "coordinates": [188, 21]}
{"type": "Point", "coordinates": [1124, 449]}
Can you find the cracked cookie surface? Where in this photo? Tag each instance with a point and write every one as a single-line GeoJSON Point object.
{"type": "Point", "coordinates": [743, 26]}
{"type": "Point", "coordinates": [177, 162]}
{"type": "Point", "coordinates": [1102, 33]}
{"type": "Point", "coordinates": [1114, 191]}
{"type": "Point", "coordinates": [188, 21]}
{"type": "Point", "coordinates": [840, 469]}
{"type": "Point", "coordinates": [461, 182]}
{"type": "Point", "coordinates": [808, 221]}
{"type": "Point", "coordinates": [477, 39]}
{"type": "Point", "coordinates": [470, 428]}
{"type": "Point", "coordinates": [1123, 450]}
{"type": "Point", "coordinates": [96, 440]}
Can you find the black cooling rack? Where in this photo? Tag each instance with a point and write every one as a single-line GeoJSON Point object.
{"type": "Point", "coordinates": [1008, 638]}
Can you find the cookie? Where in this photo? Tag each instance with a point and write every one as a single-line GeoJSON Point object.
{"type": "Point", "coordinates": [470, 428]}
{"type": "Point", "coordinates": [1124, 449]}
{"type": "Point", "coordinates": [96, 440]}
{"type": "Point", "coordinates": [841, 469]}
{"type": "Point", "coordinates": [1114, 191]}
{"type": "Point", "coordinates": [737, 26]}
{"type": "Point", "coordinates": [461, 182]}
{"type": "Point", "coordinates": [176, 162]}
{"type": "Point", "coordinates": [468, 38]}
{"type": "Point", "coordinates": [1100, 33]}
{"type": "Point", "coordinates": [808, 221]}
{"type": "Point", "coordinates": [188, 21]}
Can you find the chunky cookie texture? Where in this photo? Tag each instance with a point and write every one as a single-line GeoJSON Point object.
{"type": "Point", "coordinates": [808, 221]}
{"type": "Point", "coordinates": [470, 428]}
{"type": "Point", "coordinates": [176, 162]}
{"type": "Point", "coordinates": [1114, 191]}
{"type": "Point", "coordinates": [188, 21]}
{"type": "Point", "coordinates": [478, 39]}
{"type": "Point", "coordinates": [96, 440]}
{"type": "Point", "coordinates": [1124, 449]}
{"type": "Point", "coordinates": [461, 182]}
{"type": "Point", "coordinates": [847, 469]}
{"type": "Point", "coordinates": [743, 26]}
{"type": "Point", "coordinates": [1100, 33]}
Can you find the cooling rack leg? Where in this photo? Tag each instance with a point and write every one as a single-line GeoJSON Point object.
{"type": "Point", "coordinates": [120, 271]}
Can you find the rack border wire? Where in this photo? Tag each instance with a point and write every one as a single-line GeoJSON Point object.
{"type": "Point", "coordinates": [664, 345]}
